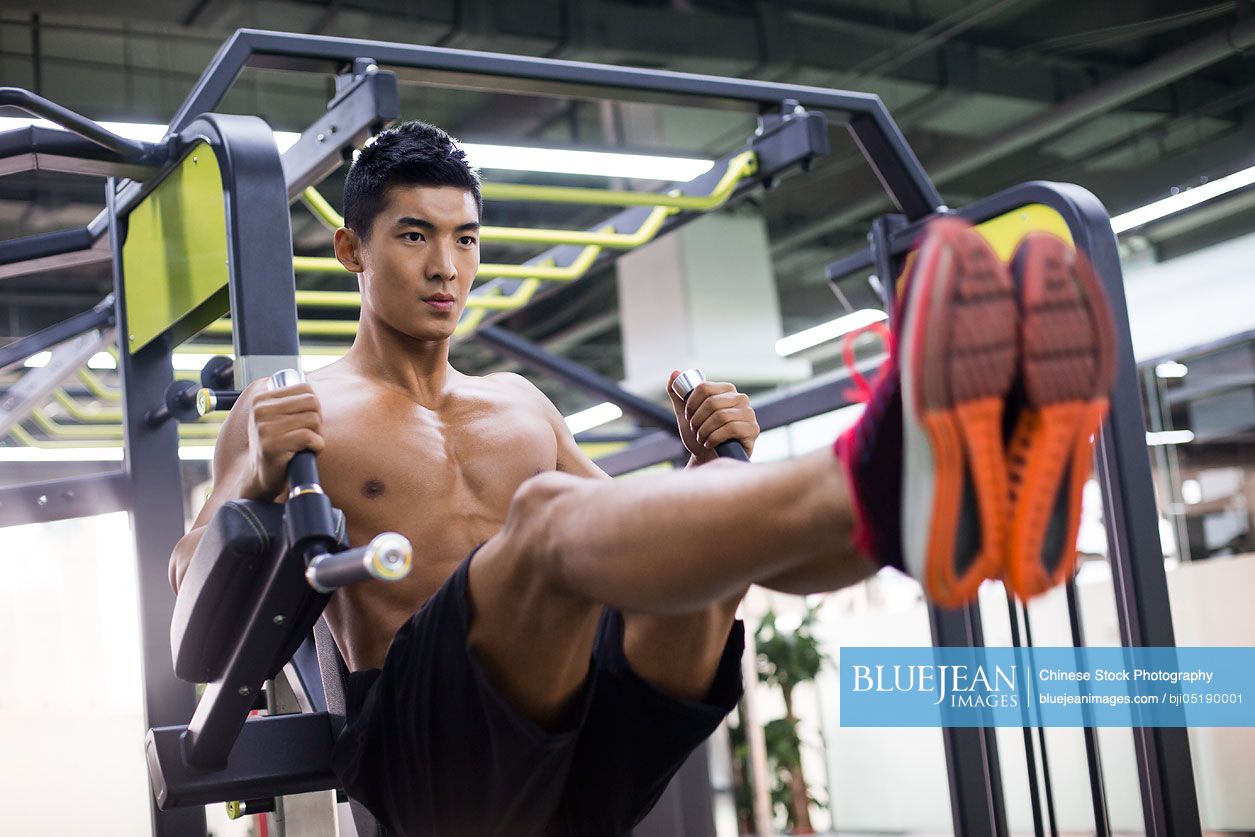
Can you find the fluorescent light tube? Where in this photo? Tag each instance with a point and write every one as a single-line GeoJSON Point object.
{"type": "Point", "coordinates": [1182, 200]}
{"type": "Point", "coordinates": [1169, 437]}
{"type": "Point", "coordinates": [515, 158]}
{"type": "Point", "coordinates": [830, 330]}
{"type": "Point", "coordinates": [597, 163]}
{"type": "Point", "coordinates": [1171, 369]}
{"type": "Point", "coordinates": [593, 417]}
{"type": "Point", "coordinates": [102, 454]}
{"type": "Point", "coordinates": [100, 360]}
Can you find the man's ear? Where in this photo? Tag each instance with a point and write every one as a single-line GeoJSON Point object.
{"type": "Point", "coordinates": [348, 247]}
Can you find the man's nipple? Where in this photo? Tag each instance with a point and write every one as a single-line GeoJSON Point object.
{"type": "Point", "coordinates": [372, 489]}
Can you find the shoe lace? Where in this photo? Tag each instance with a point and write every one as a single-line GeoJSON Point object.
{"type": "Point", "coordinates": [862, 391]}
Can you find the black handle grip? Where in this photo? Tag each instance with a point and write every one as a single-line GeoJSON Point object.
{"type": "Point", "coordinates": [303, 470]}
{"type": "Point", "coordinates": [732, 449]}
{"type": "Point", "coordinates": [307, 519]}
{"type": "Point", "coordinates": [683, 386]}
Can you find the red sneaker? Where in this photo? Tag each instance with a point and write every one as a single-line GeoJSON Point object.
{"type": "Point", "coordinates": [958, 362]}
{"type": "Point", "coordinates": [871, 449]}
{"type": "Point", "coordinates": [1067, 369]}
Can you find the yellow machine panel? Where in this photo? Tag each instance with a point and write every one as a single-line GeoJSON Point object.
{"type": "Point", "coordinates": [175, 254]}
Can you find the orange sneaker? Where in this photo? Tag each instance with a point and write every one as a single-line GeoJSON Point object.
{"type": "Point", "coordinates": [1067, 369]}
{"type": "Point", "coordinates": [958, 353]}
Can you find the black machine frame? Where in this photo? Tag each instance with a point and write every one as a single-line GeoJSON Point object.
{"type": "Point", "coordinates": [366, 100]}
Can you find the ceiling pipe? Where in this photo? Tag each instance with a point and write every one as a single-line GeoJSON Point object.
{"type": "Point", "coordinates": [1151, 76]}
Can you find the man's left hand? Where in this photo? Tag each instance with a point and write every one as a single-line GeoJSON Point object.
{"type": "Point", "coordinates": [713, 413]}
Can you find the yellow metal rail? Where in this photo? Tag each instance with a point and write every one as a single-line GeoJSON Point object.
{"type": "Point", "coordinates": [25, 439]}
{"type": "Point", "coordinates": [740, 166]}
{"type": "Point", "coordinates": [76, 411]}
{"type": "Point", "coordinates": [203, 430]}
{"type": "Point", "coordinates": [477, 305]}
{"type": "Point", "coordinates": [98, 388]}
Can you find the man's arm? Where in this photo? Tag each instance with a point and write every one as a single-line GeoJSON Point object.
{"type": "Point", "coordinates": [262, 432]}
{"type": "Point", "coordinates": [713, 413]}
{"type": "Point", "coordinates": [228, 476]}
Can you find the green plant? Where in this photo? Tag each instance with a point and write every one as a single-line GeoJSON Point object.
{"type": "Point", "coordinates": [785, 659]}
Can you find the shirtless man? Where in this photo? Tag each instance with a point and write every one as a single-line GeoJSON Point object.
{"type": "Point", "coordinates": [564, 641]}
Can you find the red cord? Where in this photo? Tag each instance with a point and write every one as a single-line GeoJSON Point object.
{"type": "Point", "coordinates": [862, 391]}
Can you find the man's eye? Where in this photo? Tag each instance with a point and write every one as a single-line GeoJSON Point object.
{"type": "Point", "coordinates": [468, 240]}
{"type": "Point", "coordinates": [412, 236]}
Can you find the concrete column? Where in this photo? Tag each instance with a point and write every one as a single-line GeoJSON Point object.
{"type": "Point", "coordinates": [703, 296]}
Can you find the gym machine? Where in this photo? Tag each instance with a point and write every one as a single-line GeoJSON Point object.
{"type": "Point", "coordinates": [175, 278]}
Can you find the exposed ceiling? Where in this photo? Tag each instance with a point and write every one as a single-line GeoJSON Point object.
{"type": "Point", "coordinates": [964, 79]}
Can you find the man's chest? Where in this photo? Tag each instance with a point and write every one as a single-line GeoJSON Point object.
{"type": "Point", "coordinates": [389, 468]}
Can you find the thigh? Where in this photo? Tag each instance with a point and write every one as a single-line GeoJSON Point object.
{"type": "Point", "coordinates": [533, 638]}
{"type": "Point", "coordinates": [636, 736]}
{"type": "Point", "coordinates": [432, 748]}
{"type": "Point", "coordinates": [679, 653]}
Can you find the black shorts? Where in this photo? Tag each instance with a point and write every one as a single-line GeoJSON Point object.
{"type": "Point", "coordinates": [432, 750]}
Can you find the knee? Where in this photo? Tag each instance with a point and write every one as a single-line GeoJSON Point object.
{"type": "Point", "coordinates": [532, 524]}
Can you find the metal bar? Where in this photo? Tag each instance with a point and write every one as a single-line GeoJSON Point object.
{"type": "Point", "coordinates": [152, 466]}
{"type": "Point", "coordinates": [79, 413]}
{"type": "Point", "coordinates": [39, 148]}
{"type": "Point", "coordinates": [261, 281]}
{"type": "Point", "coordinates": [593, 241]}
{"type": "Point", "coordinates": [44, 502]}
{"type": "Point", "coordinates": [37, 385]}
{"type": "Point", "coordinates": [1041, 737]}
{"type": "Point", "coordinates": [976, 800]}
{"type": "Point", "coordinates": [100, 317]}
{"type": "Point", "coordinates": [1093, 757]}
{"type": "Point", "coordinates": [360, 109]}
{"type": "Point", "coordinates": [54, 429]}
{"type": "Point", "coordinates": [882, 144]}
{"type": "Point", "coordinates": [789, 141]}
{"type": "Point", "coordinates": [46, 251]}
{"type": "Point", "coordinates": [1034, 791]}
{"type": "Point", "coordinates": [133, 150]}
{"type": "Point", "coordinates": [738, 167]}
{"type": "Point", "coordinates": [531, 355]}
{"type": "Point", "coordinates": [274, 756]}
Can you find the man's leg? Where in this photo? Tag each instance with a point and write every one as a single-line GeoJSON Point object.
{"type": "Point", "coordinates": [665, 545]}
{"type": "Point", "coordinates": [679, 653]}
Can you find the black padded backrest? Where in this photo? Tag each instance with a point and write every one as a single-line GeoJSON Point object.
{"type": "Point", "coordinates": [238, 551]}
{"type": "Point", "coordinates": [335, 685]}
{"type": "Point", "coordinates": [238, 546]}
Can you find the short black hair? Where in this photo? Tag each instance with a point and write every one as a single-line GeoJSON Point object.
{"type": "Point", "coordinates": [409, 154]}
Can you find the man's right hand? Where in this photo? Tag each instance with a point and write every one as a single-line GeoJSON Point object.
{"type": "Point", "coordinates": [281, 423]}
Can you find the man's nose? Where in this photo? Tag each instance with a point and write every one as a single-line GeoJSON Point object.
{"type": "Point", "coordinates": [440, 263]}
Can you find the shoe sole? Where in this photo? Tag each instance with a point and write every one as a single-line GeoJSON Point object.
{"type": "Point", "coordinates": [959, 361]}
{"type": "Point", "coordinates": [1067, 371]}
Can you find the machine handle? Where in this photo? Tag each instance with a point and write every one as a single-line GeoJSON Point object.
{"type": "Point", "coordinates": [388, 558]}
{"type": "Point", "coordinates": [683, 385]}
{"type": "Point", "coordinates": [302, 470]}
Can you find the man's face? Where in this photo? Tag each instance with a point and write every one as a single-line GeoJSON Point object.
{"type": "Point", "coordinates": [420, 259]}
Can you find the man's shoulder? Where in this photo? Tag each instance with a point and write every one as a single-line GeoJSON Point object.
{"type": "Point", "coordinates": [516, 389]}
{"type": "Point", "coordinates": [510, 381]}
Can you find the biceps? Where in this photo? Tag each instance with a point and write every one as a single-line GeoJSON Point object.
{"type": "Point", "coordinates": [572, 460]}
